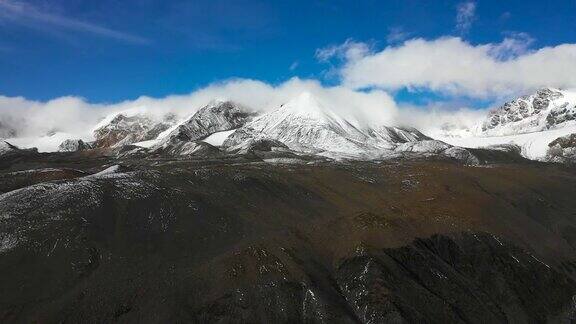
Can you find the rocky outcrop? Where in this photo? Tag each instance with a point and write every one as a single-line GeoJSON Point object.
{"type": "Point", "coordinates": [216, 117]}
{"type": "Point", "coordinates": [124, 130]}
{"type": "Point", "coordinates": [7, 149]}
{"type": "Point", "coordinates": [465, 278]}
{"type": "Point", "coordinates": [74, 145]}
{"type": "Point", "coordinates": [562, 150]}
{"type": "Point", "coordinates": [546, 109]}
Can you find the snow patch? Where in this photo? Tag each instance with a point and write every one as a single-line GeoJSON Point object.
{"type": "Point", "coordinates": [110, 170]}
{"type": "Point", "coordinates": [533, 145]}
{"type": "Point", "coordinates": [217, 139]}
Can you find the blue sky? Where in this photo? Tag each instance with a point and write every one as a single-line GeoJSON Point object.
{"type": "Point", "coordinates": [108, 50]}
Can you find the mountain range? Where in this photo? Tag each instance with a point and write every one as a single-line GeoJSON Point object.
{"type": "Point", "coordinates": [537, 126]}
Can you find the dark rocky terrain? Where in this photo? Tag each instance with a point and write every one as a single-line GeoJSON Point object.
{"type": "Point", "coordinates": [87, 238]}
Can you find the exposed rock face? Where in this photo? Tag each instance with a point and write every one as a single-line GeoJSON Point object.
{"type": "Point", "coordinates": [562, 149]}
{"type": "Point", "coordinates": [306, 125]}
{"type": "Point", "coordinates": [216, 117]}
{"type": "Point", "coordinates": [9, 149]}
{"type": "Point", "coordinates": [74, 145]}
{"type": "Point", "coordinates": [433, 147]}
{"type": "Point", "coordinates": [6, 147]}
{"type": "Point", "coordinates": [468, 278]}
{"type": "Point", "coordinates": [561, 114]}
{"type": "Point", "coordinates": [185, 148]}
{"type": "Point", "coordinates": [10, 154]}
{"type": "Point", "coordinates": [124, 130]}
{"type": "Point", "coordinates": [546, 109]}
{"type": "Point", "coordinates": [397, 135]}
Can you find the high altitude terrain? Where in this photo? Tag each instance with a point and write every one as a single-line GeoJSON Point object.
{"type": "Point", "coordinates": [296, 215]}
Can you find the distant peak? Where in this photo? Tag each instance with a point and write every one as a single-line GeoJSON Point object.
{"type": "Point", "coordinates": [218, 101]}
{"type": "Point", "coordinates": [548, 90]}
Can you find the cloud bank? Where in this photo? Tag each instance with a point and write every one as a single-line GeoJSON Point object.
{"type": "Point", "coordinates": [452, 66]}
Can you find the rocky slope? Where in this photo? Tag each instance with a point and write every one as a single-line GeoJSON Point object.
{"type": "Point", "coordinates": [74, 145]}
{"type": "Point", "coordinates": [562, 149]}
{"type": "Point", "coordinates": [181, 241]}
{"type": "Point", "coordinates": [7, 149]}
{"type": "Point", "coordinates": [125, 129]}
{"type": "Point", "coordinates": [306, 125]}
{"type": "Point", "coordinates": [216, 117]}
{"type": "Point", "coordinates": [546, 109]}
{"type": "Point", "coordinates": [530, 122]}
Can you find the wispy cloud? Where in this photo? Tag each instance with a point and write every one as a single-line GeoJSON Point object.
{"type": "Point", "coordinates": [294, 65]}
{"type": "Point", "coordinates": [22, 13]}
{"type": "Point", "coordinates": [349, 51]}
{"type": "Point", "coordinates": [465, 15]}
{"type": "Point", "coordinates": [514, 44]}
{"type": "Point", "coordinates": [397, 34]}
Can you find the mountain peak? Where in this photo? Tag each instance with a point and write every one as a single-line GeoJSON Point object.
{"type": "Point", "coordinates": [218, 101]}
{"type": "Point", "coordinates": [547, 108]}
{"type": "Point", "coordinates": [306, 104]}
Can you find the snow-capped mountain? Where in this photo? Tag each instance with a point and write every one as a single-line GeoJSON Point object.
{"type": "Point", "coordinates": [546, 109]}
{"type": "Point", "coordinates": [74, 145]}
{"type": "Point", "coordinates": [216, 117]}
{"type": "Point", "coordinates": [305, 124]}
{"type": "Point", "coordinates": [125, 129]}
{"type": "Point", "coordinates": [9, 149]}
{"type": "Point", "coordinates": [531, 122]}
{"type": "Point", "coordinates": [305, 127]}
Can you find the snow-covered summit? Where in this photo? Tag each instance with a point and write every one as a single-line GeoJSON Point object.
{"type": "Point", "coordinates": [546, 109]}
{"type": "Point", "coordinates": [531, 122]}
{"type": "Point", "coordinates": [303, 124]}
{"type": "Point", "coordinates": [73, 145]}
{"type": "Point", "coordinates": [306, 124]}
{"type": "Point", "coordinates": [217, 116]}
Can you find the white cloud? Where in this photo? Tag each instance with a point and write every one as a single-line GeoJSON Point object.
{"type": "Point", "coordinates": [465, 15]}
{"type": "Point", "coordinates": [514, 45]}
{"type": "Point", "coordinates": [440, 120]}
{"type": "Point", "coordinates": [349, 50]}
{"type": "Point", "coordinates": [453, 66]}
{"type": "Point", "coordinates": [26, 14]}
{"type": "Point", "coordinates": [396, 34]}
